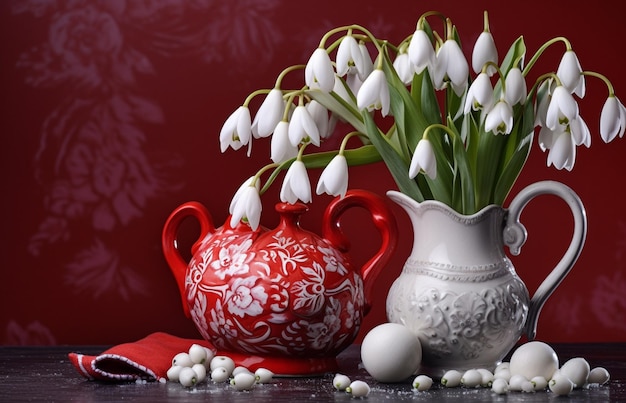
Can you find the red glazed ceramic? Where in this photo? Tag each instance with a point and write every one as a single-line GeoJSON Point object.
{"type": "Point", "coordinates": [284, 299]}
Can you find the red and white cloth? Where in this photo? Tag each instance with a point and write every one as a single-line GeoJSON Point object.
{"type": "Point", "coordinates": [148, 358]}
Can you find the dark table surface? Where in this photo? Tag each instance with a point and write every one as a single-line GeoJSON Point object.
{"type": "Point", "coordinates": [45, 374]}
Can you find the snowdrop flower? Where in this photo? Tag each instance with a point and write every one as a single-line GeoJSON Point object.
{"type": "Point", "coordinates": [562, 108]}
{"type": "Point", "coordinates": [562, 154]}
{"type": "Point", "coordinates": [319, 113]}
{"type": "Point", "coordinates": [451, 65]}
{"type": "Point", "coordinates": [341, 90]}
{"type": "Point", "coordinates": [484, 51]}
{"type": "Point", "coordinates": [269, 114]}
{"type": "Point", "coordinates": [612, 119]}
{"type": "Point", "coordinates": [543, 101]}
{"type": "Point", "coordinates": [319, 72]}
{"type": "Point", "coordinates": [296, 185]}
{"type": "Point", "coordinates": [500, 119]}
{"type": "Point", "coordinates": [421, 51]}
{"type": "Point", "coordinates": [480, 94]}
{"type": "Point", "coordinates": [580, 132]}
{"type": "Point", "coordinates": [349, 56]}
{"type": "Point", "coordinates": [237, 130]}
{"type": "Point", "coordinates": [515, 85]}
{"type": "Point", "coordinates": [246, 204]}
{"type": "Point", "coordinates": [334, 178]}
{"type": "Point", "coordinates": [302, 127]}
{"type": "Point", "coordinates": [545, 138]}
{"type": "Point", "coordinates": [570, 73]}
{"type": "Point", "coordinates": [423, 160]}
{"type": "Point", "coordinates": [404, 68]}
{"type": "Point", "coordinates": [374, 93]}
{"type": "Point", "coordinates": [366, 59]}
{"type": "Point", "coordinates": [281, 148]}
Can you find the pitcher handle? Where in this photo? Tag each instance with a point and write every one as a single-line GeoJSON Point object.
{"type": "Point", "coordinates": [169, 240]}
{"type": "Point", "coordinates": [515, 235]}
{"type": "Point", "coordinates": [384, 221]}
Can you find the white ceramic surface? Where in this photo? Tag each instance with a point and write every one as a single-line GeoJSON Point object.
{"type": "Point", "coordinates": [459, 292]}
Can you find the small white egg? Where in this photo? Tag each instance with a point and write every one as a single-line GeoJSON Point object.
{"type": "Point", "coordinates": [341, 382]}
{"type": "Point", "coordinates": [451, 379]}
{"type": "Point", "coordinates": [197, 354]}
{"type": "Point", "coordinates": [501, 366]}
{"type": "Point", "coordinates": [576, 370]}
{"type": "Point", "coordinates": [391, 352]}
{"type": "Point", "coordinates": [358, 389]}
{"type": "Point", "coordinates": [487, 377]}
{"type": "Point", "coordinates": [200, 371]}
{"type": "Point", "coordinates": [516, 381]}
{"type": "Point", "coordinates": [503, 374]}
{"type": "Point", "coordinates": [220, 374]}
{"type": "Point", "coordinates": [500, 386]}
{"type": "Point", "coordinates": [182, 359]}
{"type": "Point", "coordinates": [471, 378]}
{"type": "Point", "coordinates": [598, 375]}
{"type": "Point", "coordinates": [173, 372]}
{"type": "Point", "coordinates": [243, 381]}
{"type": "Point", "coordinates": [221, 361]}
{"type": "Point", "coordinates": [560, 385]}
{"type": "Point", "coordinates": [527, 386]}
{"type": "Point", "coordinates": [539, 383]}
{"type": "Point", "coordinates": [422, 382]}
{"type": "Point", "coordinates": [534, 358]}
{"type": "Point", "coordinates": [209, 356]}
{"type": "Point", "coordinates": [239, 370]}
{"type": "Point", "coordinates": [187, 377]}
{"type": "Point", "coordinates": [263, 375]}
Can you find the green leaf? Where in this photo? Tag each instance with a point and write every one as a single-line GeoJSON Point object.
{"type": "Point", "coordinates": [516, 153]}
{"type": "Point", "coordinates": [340, 107]}
{"type": "Point", "coordinates": [515, 52]}
{"type": "Point", "coordinates": [397, 167]}
{"type": "Point", "coordinates": [410, 121]}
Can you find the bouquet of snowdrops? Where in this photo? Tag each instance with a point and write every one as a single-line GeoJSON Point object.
{"type": "Point", "coordinates": [464, 148]}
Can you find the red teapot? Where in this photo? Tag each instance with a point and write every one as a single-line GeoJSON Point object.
{"type": "Point", "coordinates": [284, 299]}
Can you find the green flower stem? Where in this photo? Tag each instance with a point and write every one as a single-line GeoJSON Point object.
{"type": "Point", "coordinates": [364, 155]}
{"type": "Point", "coordinates": [347, 137]}
{"type": "Point", "coordinates": [539, 52]}
{"type": "Point", "coordinates": [254, 94]}
{"type": "Point", "coordinates": [603, 78]}
{"type": "Point", "coordinates": [485, 21]}
{"type": "Point", "coordinates": [286, 71]}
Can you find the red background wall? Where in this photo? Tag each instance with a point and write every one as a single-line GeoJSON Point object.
{"type": "Point", "coordinates": [110, 113]}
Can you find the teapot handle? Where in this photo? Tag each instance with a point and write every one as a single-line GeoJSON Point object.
{"type": "Point", "coordinates": [169, 240]}
{"type": "Point", "coordinates": [515, 235]}
{"type": "Point", "coordinates": [384, 221]}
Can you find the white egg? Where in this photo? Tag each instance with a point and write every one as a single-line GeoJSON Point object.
{"type": "Point", "coordinates": [358, 389]}
{"type": "Point", "coordinates": [532, 359]}
{"type": "Point", "coordinates": [598, 375]}
{"type": "Point", "coordinates": [243, 381]}
{"type": "Point", "coordinates": [391, 352]}
{"type": "Point", "coordinates": [471, 378]}
{"type": "Point", "coordinates": [500, 386]}
{"type": "Point", "coordinates": [560, 385]}
{"type": "Point", "coordinates": [263, 375]}
{"type": "Point", "coordinates": [452, 378]}
{"type": "Point", "coordinates": [539, 383]}
{"type": "Point", "coordinates": [221, 361]}
{"type": "Point", "coordinates": [422, 382]}
{"type": "Point", "coordinates": [341, 382]}
{"type": "Point", "coordinates": [577, 370]}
